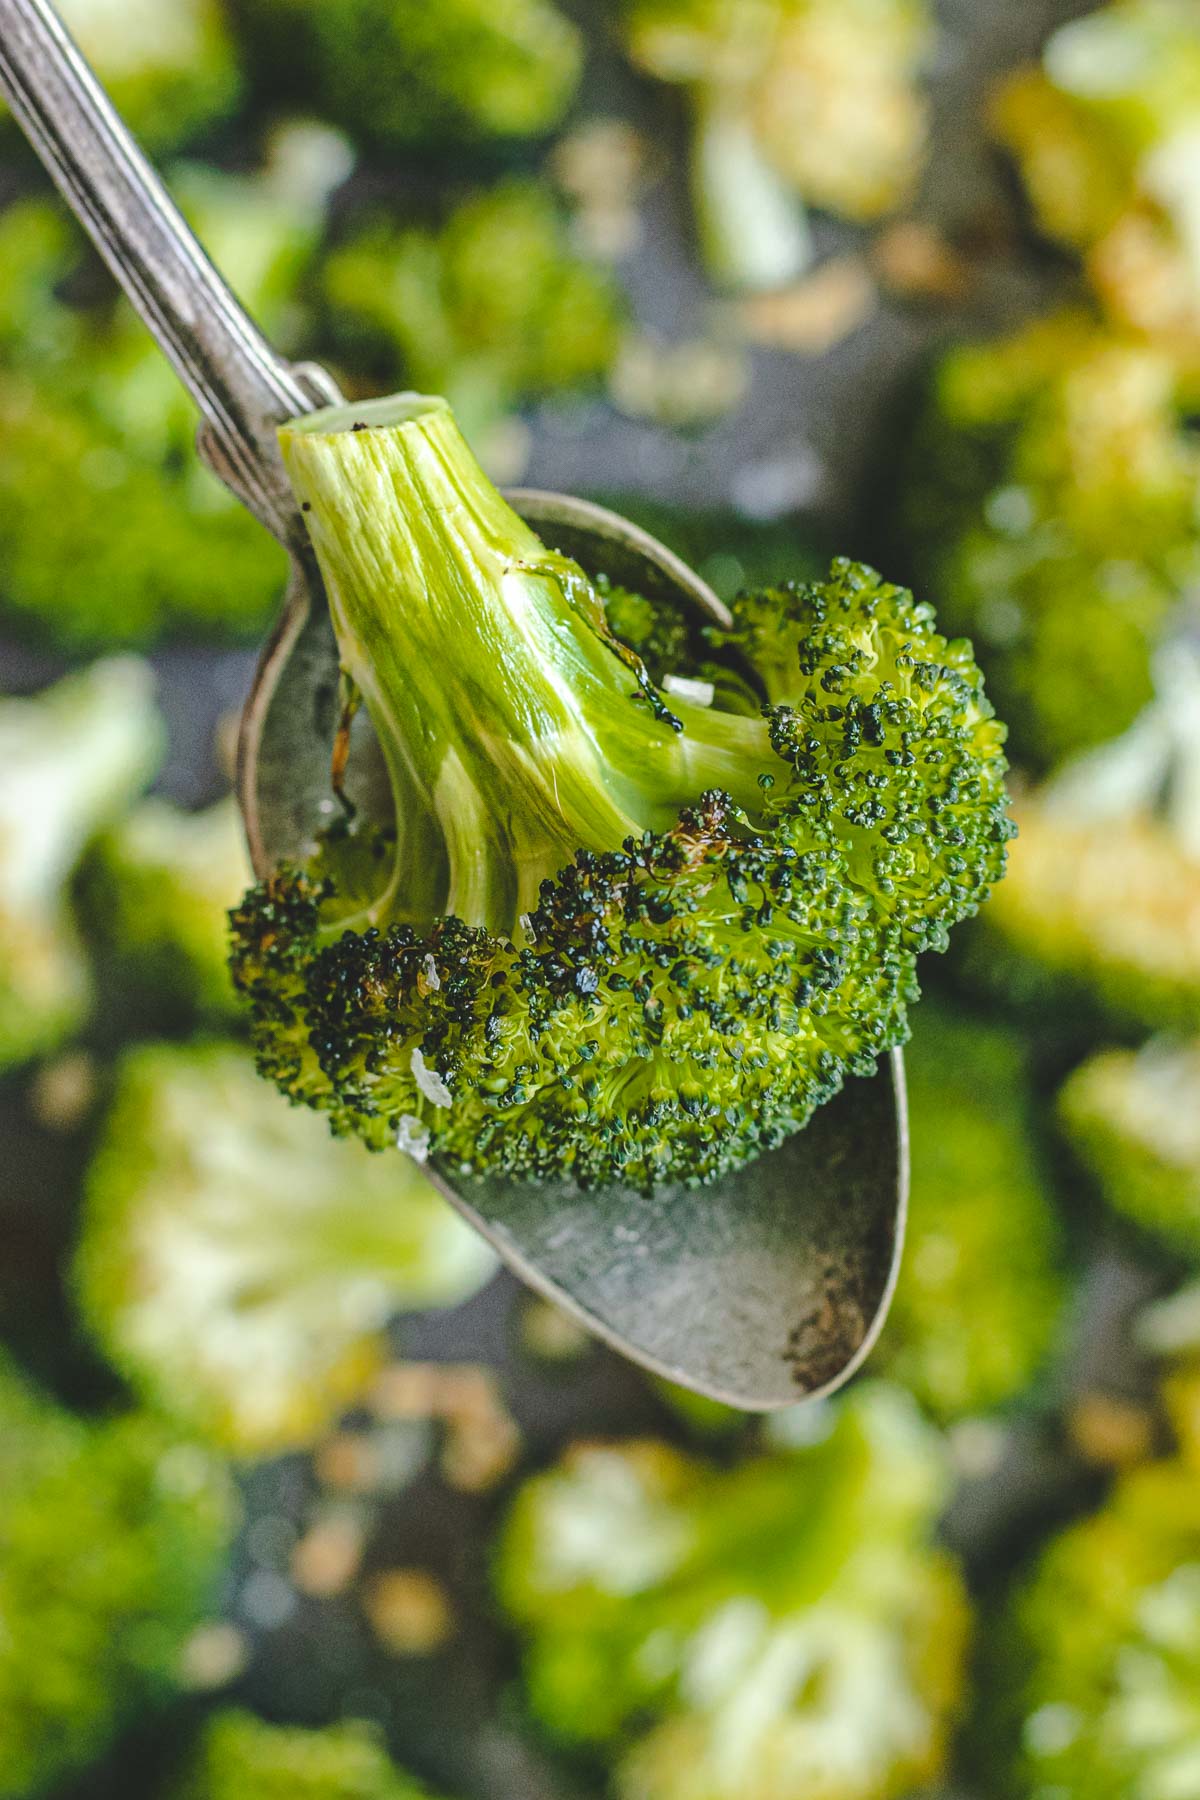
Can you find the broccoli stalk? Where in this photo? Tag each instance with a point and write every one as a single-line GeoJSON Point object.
{"type": "Point", "coordinates": [604, 937]}
{"type": "Point", "coordinates": [241, 1758]}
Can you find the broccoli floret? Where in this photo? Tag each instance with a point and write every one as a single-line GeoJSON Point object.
{"type": "Point", "coordinates": [241, 1758]}
{"type": "Point", "coordinates": [72, 757]}
{"type": "Point", "coordinates": [792, 101]}
{"type": "Point", "coordinates": [772, 1631]}
{"type": "Point", "coordinates": [495, 309]}
{"type": "Point", "coordinates": [980, 1294]}
{"type": "Point", "coordinates": [604, 938]}
{"type": "Point", "coordinates": [1091, 1685]}
{"type": "Point", "coordinates": [1050, 511]}
{"type": "Point", "coordinates": [1099, 915]}
{"type": "Point", "coordinates": [402, 72]}
{"type": "Point", "coordinates": [238, 1263]}
{"type": "Point", "coordinates": [1105, 136]}
{"type": "Point", "coordinates": [1134, 1118]}
{"type": "Point", "coordinates": [168, 64]}
{"type": "Point", "coordinates": [111, 1539]}
{"type": "Point", "coordinates": [154, 894]}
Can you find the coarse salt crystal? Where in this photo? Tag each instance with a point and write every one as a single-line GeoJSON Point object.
{"type": "Point", "coordinates": [413, 1138]}
{"type": "Point", "coordinates": [429, 1081]}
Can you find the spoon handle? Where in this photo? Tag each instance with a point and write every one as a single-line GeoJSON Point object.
{"type": "Point", "coordinates": [242, 388]}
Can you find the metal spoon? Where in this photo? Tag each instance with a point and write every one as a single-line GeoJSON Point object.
{"type": "Point", "coordinates": [766, 1288]}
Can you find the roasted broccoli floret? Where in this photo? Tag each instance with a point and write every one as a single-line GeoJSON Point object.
{"type": "Point", "coordinates": [773, 1631]}
{"type": "Point", "coordinates": [1050, 511]}
{"type": "Point", "coordinates": [238, 1263]}
{"type": "Point", "coordinates": [605, 937]}
{"type": "Point", "coordinates": [1100, 913]}
{"type": "Point", "coordinates": [495, 309]}
{"type": "Point", "coordinates": [111, 1539]}
{"type": "Point", "coordinates": [154, 895]}
{"type": "Point", "coordinates": [241, 1758]}
{"type": "Point", "coordinates": [792, 101]}
{"type": "Point", "coordinates": [71, 758]}
{"type": "Point", "coordinates": [1091, 1688]}
{"type": "Point", "coordinates": [1104, 133]}
{"type": "Point", "coordinates": [980, 1294]}
{"type": "Point", "coordinates": [403, 73]}
{"type": "Point", "coordinates": [169, 65]}
{"type": "Point", "coordinates": [111, 530]}
{"type": "Point", "coordinates": [1134, 1118]}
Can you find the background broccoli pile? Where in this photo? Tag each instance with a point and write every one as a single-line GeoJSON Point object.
{"type": "Point", "coordinates": [298, 1498]}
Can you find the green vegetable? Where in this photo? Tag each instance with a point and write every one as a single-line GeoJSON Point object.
{"type": "Point", "coordinates": [72, 757]}
{"type": "Point", "coordinates": [605, 937]}
{"type": "Point", "coordinates": [238, 1264]}
{"type": "Point", "coordinates": [1104, 134]}
{"type": "Point", "coordinates": [404, 73]}
{"type": "Point", "coordinates": [980, 1293]}
{"type": "Point", "coordinates": [1091, 1686]}
{"type": "Point", "coordinates": [240, 1758]}
{"type": "Point", "coordinates": [111, 1536]}
{"type": "Point", "coordinates": [494, 310]}
{"type": "Point", "coordinates": [1134, 1118]}
{"type": "Point", "coordinates": [791, 101]}
{"type": "Point", "coordinates": [1051, 510]}
{"type": "Point", "coordinates": [778, 1630]}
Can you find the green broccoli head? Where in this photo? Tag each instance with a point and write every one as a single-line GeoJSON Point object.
{"type": "Point", "coordinates": [1134, 1118]}
{"type": "Point", "coordinates": [1104, 134]}
{"type": "Point", "coordinates": [981, 1293]}
{"type": "Point", "coordinates": [1092, 1681]}
{"type": "Point", "coordinates": [111, 1536]}
{"type": "Point", "coordinates": [241, 1758]}
{"type": "Point", "coordinates": [495, 309]}
{"type": "Point", "coordinates": [604, 937]}
{"type": "Point", "coordinates": [1050, 509]}
{"type": "Point", "coordinates": [402, 73]}
{"type": "Point", "coordinates": [154, 894]}
{"type": "Point", "coordinates": [238, 1263]}
{"type": "Point", "coordinates": [793, 101]}
{"type": "Point", "coordinates": [72, 757]}
{"type": "Point", "coordinates": [776, 1629]}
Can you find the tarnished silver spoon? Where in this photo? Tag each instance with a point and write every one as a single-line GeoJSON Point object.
{"type": "Point", "coordinates": [768, 1287]}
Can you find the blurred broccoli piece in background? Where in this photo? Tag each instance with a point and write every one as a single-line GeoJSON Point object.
{"type": "Point", "coordinates": [792, 101]}
{"type": "Point", "coordinates": [241, 1758]}
{"type": "Point", "coordinates": [1090, 1686]}
{"type": "Point", "coordinates": [1052, 513]}
{"type": "Point", "coordinates": [72, 757]}
{"type": "Point", "coordinates": [493, 310]}
{"type": "Point", "coordinates": [404, 73]}
{"type": "Point", "coordinates": [153, 895]}
{"type": "Point", "coordinates": [779, 1629]}
{"type": "Point", "coordinates": [111, 1539]}
{"type": "Point", "coordinates": [1106, 137]}
{"type": "Point", "coordinates": [980, 1293]}
{"type": "Point", "coordinates": [111, 530]}
{"type": "Point", "coordinates": [238, 1263]}
{"type": "Point", "coordinates": [1134, 1118]}
{"type": "Point", "coordinates": [1099, 913]}
{"type": "Point", "coordinates": [169, 65]}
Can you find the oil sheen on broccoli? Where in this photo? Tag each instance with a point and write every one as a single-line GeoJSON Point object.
{"type": "Point", "coordinates": [605, 937]}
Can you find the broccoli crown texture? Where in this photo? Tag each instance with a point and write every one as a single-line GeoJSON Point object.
{"type": "Point", "coordinates": [111, 1537]}
{"type": "Point", "coordinates": [1091, 1685]}
{"type": "Point", "coordinates": [604, 937]}
{"type": "Point", "coordinates": [1134, 1118]}
{"type": "Point", "coordinates": [238, 1264]}
{"type": "Point", "coordinates": [1104, 133]}
{"type": "Point", "coordinates": [779, 1630]}
{"type": "Point", "coordinates": [977, 1309]}
{"type": "Point", "coordinates": [72, 757]}
{"type": "Point", "coordinates": [403, 72]}
{"type": "Point", "coordinates": [1052, 510]}
{"type": "Point", "coordinates": [241, 1758]}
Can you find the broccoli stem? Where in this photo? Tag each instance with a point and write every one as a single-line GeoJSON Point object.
{"type": "Point", "coordinates": [515, 730]}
